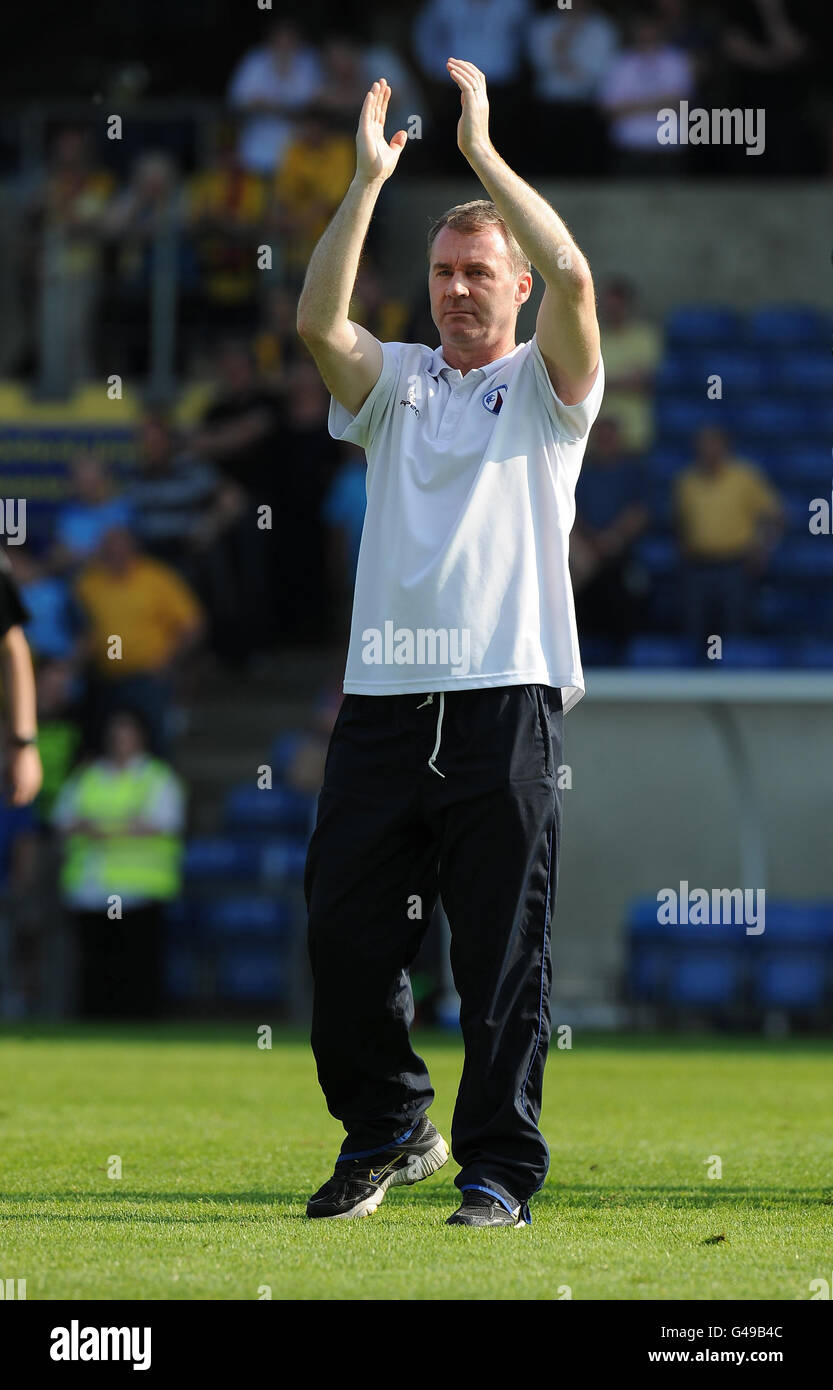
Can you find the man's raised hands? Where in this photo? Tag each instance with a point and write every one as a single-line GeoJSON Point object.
{"type": "Point", "coordinates": [375, 158]}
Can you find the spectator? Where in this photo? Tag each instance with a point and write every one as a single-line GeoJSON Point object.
{"type": "Point", "coordinates": [632, 352]}
{"type": "Point", "coordinates": [226, 213]}
{"type": "Point", "coordinates": [181, 503]}
{"type": "Point", "coordinates": [643, 79]}
{"type": "Point", "coordinates": [93, 507]}
{"type": "Point", "coordinates": [611, 514]}
{"type": "Point", "coordinates": [52, 625]}
{"type": "Point", "coordinates": [383, 58]}
{"type": "Point", "coordinates": [141, 619]}
{"type": "Point", "coordinates": [59, 734]}
{"type": "Point", "coordinates": [770, 64]}
{"type": "Point", "coordinates": [68, 213]}
{"type": "Point", "coordinates": [308, 458]}
{"type": "Point", "coordinates": [570, 53]}
{"type": "Point", "coordinates": [240, 432]}
{"type": "Point", "coordinates": [314, 176]}
{"type": "Point", "coordinates": [381, 313]}
{"type": "Point", "coordinates": [343, 512]}
{"type": "Point", "coordinates": [276, 344]}
{"type": "Point", "coordinates": [490, 34]}
{"type": "Point", "coordinates": [121, 818]}
{"type": "Point", "coordinates": [345, 85]}
{"type": "Point", "coordinates": [728, 517]}
{"type": "Point", "coordinates": [269, 85]}
{"type": "Point", "coordinates": [145, 223]}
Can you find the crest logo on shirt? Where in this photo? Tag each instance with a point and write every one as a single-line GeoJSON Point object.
{"type": "Point", "coordinates": [493, 400]}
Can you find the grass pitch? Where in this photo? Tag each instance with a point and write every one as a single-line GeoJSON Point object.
{"type": "Point", "coordinates": [220, 1144]}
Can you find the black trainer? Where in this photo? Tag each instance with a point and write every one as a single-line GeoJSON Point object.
{"type": "Point", "coordinates": [480, 1209]}
{"type": "Point", "coordinates": [358, 1185]}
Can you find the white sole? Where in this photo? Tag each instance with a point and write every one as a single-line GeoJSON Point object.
{"type": "Point", "coordinates": [420, 1166]}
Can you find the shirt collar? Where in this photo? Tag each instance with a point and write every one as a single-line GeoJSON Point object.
{"type": "Point", "coordinates": [438, 363]}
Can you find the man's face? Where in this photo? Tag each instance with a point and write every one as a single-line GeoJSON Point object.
{"type": "Point", "coordinates": [474, 290]}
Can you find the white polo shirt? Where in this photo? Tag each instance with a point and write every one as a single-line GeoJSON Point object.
{"type": "Point", "coordinates": [463, 576]}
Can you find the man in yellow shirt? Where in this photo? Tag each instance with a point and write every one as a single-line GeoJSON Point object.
{"type": "Point", "coordinates": [633, 350]}
{"type": "Point", "coordinates": [310, 183]}
{"type": "Point", "coordinates": [141, 617]}
{"type": "Point", "coordinates": [728, 517]}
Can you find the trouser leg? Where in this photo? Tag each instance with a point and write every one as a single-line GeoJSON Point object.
{"type": "Point", "coordinates": [498, 878]}
{"type": "Point", "coordinates": [370, 885]}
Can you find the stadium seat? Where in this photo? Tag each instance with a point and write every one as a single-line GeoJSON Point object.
{"type": "Point", "coordinates": [658, 553]}
{"type": "Point", "coordinates": [810, 558]}
{"type": "Point", "coordinates": [740, 371]}
{"type": "Point", "coordinates": [800, 923]}
{"type": "Point", "coordinates": [814, 654]}
{"type": "Point", "coordinates": [278, 808]}
{"type": "Point", "coordinates": [771, 419]}
{"type": "Point", "coordinates": [651, 651]}
{"type": "Point", "coordinates": [709, 980]}
{"type": "Point", "coordinates": [283, 750]}
{"type": "Point", "coordinates": [789, 980]}
{"type": "Point", "coordinates": [698, 324]}
{"type": "Point", "coordinates": [780, 325]}
{"type": "Point", "coordinates": [753, 654]}
{"type": "Point", "coordinates": [668, 460]}
{"type": "Point", "coordinates": [246, 916]}
{"type": "Point", "coordinates": [801, 372]}
{"type": "Point", "coordinates": [220, 856]}
{"type": "Point", "coordinates": [283, 859]}
{"type": "Point", "coordinates": [251, 974]}
{"type": "Point", "coordinates": [679, 417]}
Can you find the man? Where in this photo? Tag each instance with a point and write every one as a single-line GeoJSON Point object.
{"type": "Point", "coordinates": [141, 620]}
{"type": "Point", "coordinates": [611, 515]}
{"type": "Point", "coordinates": [441, 771]}
{"type": "Point", "coordinates": [728, 518]}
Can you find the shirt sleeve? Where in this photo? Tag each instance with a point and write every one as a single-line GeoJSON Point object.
{"type": "Point", "coordinates": [178, 604]}
{"type": "Point", "coordinates": [362, 428]}
{"type": "Point", "coordinates": [764, 497]}
{"type": "Point", "coordinates": [572, 422]}
{"type": "Point", "coordinates": [166, 811]}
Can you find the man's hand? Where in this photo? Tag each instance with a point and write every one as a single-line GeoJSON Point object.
{"type": "Point", "coordinates": [473, 126]}
{"type": "Point", "coordinates": [375, 158]}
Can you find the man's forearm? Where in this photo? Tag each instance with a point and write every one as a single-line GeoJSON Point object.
{"type": "Point", "coordinates": [18, 684]}
{"type": "Point", "coordinates": [331, 274]}
{"type": "Point", "coordinates": [535, 225]}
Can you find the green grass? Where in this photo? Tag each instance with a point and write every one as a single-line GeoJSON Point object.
{"type": "Point", "coordinates": [221, 1143]}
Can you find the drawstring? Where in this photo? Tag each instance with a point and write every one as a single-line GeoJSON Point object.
{"type": "Point", "coordinates": [430, 701]}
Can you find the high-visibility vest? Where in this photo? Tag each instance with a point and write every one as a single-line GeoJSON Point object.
{"type": "Point", "coordinates": [147, 866]}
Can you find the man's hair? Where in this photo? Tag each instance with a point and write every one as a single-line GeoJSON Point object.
{"type": "Point", "coordinates": [474, 217]}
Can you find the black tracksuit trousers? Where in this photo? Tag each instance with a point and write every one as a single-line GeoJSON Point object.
{"type": "Point", "coordinates": [456, 793]}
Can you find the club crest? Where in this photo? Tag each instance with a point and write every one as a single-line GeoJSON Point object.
{"type": "Point", "coordinates": [493, 400]}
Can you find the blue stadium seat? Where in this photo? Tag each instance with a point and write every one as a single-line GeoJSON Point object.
{"type": "Point", "coordinates": [279, 808]}
{"type": "Point", "coordinates": [246, 916]}
{"type": "Point", "coordinates": [810, 558]}
{"type": "Point", "coordinates": [740, 371]}
{"type": "Point", "coordinates": [647, 972]}
{"type": "Point", "coordinates": [706, 979]}
{"type": "Point", "coordinates": [251, 974]}
{"type": "Point", "coordinates": [679, 373]}
{"type": "Point", "coordinates": [658, 553]}
{"type": "Point", "coordinates": [220, 856]}
{"type": "Point", "coordinates": [790, 980]}
{"type": "Point", "coordinates": [799, 923]}
{"type": "Point", "coordinates": [809, 462]}
{"type": "Point", "coordinates": [642, 917]}
{"type": "Point", "coordinates": [697, 324]}
{"type": "Point", "coordinates": [781, 325]}
{"type": "Point", "coordinates": [679, 417]}
{"type": "Point", "coordinates": [771, 419]}
{"type": "Point", "coordinates": [753, 654]}
{"type": "Point", "coordinates": [814, 654]}
{"type": "Point", "coordinates": [597, 650]}
{"type": "Point", "coordinates": [284, 859]}
{"type": "Point", "coordinates": [668, 460]}
{"type": "Point", "coordinates": [805, 372]}
{"type": "Point", "coordinates": [283, 751]}
{"type": "Point", "coordinates": [657, 652]}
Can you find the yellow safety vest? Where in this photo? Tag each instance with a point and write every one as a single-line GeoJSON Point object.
{"type": "Point", "coordinates": [147, 866]}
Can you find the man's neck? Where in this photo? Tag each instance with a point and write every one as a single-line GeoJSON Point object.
{"type": "Point", "coordinates": [477, 356]}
